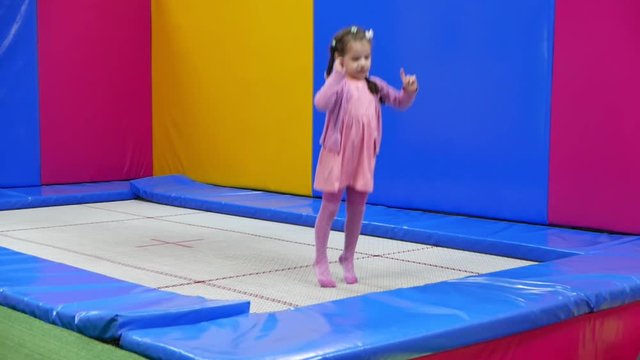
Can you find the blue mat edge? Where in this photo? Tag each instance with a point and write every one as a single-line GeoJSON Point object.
{"type": "Point", "coordinates": [144, 188]}
{"type": "Point", "coordinates": [70, 194]}
{"type": "Point", "coordinates": [93, 318]}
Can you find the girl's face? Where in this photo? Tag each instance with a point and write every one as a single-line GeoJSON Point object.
{"type": "Point", "coordinates": [357, 59]}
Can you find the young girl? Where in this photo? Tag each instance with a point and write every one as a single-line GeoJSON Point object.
{"type": "Point", "coordinates": [350, 141]}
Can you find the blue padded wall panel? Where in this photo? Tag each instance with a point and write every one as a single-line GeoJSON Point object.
{"type": "Point", "coordinates": [19, 122]}
{"type": "Point", "coordinates": [476, 141]}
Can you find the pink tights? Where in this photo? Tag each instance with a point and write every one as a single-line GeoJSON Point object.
{"type": "Point", "coordinates": [356, 201]}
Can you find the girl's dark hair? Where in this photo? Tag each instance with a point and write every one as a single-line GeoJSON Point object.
{"type": "Point", "coordinates": [339, 46]}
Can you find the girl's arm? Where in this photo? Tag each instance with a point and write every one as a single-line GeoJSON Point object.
{"type": "Point", "coordinates": [327, 95]}
{"type": "Point", "coordinates": [400, 99]}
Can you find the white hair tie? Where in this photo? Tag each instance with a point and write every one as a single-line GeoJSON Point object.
{"type": "Point", "coordinates": [368, 34]}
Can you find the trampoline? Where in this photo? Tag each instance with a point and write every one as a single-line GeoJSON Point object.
{"type": "Point", "coordinates": [185, 282]}
{"type": "Point", "coordinates": [224, 257]}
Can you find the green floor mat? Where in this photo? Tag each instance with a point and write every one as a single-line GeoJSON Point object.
{"type": "Point", "coordinates": [23, 338]}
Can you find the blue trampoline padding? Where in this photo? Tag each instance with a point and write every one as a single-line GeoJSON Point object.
{"type": "Point", "coordinates": [52, 195]}
{"type": "Point", "coordinates": [607, 278]}
{"type": "Point", "coordinates": [524, 241]}
{"type": "Point", "coordinates": [179, 190]}
{"type": "Point", "coordinates": [96, 305]}
{"type": "Point", "coordinates": [410, 322]}
{"type": "Point", "coordinates": [401, 323]}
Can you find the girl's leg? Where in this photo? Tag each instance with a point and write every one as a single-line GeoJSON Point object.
{"type": "Point", "coordinates": [328, 210]}
{"type": "Point", "coordinates": [356, 201]}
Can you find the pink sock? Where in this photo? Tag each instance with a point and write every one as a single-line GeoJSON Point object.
{"type": "Point", "coordinates": [328, 210]}
{"type": "Point", "coordinates": [356, 201]}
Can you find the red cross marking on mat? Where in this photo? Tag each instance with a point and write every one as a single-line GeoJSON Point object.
{"type": "Point", "coordinates": [176, 243]}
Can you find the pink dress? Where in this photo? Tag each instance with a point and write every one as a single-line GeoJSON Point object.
{"type": "Point", "coordinates": [353, 166]}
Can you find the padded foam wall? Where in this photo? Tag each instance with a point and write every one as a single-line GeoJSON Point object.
{"type": "Point", "coordinates": [19, 122]}
{"type": "Point", "coordinates": [232, 92]}
{"type": "Point", "coordinates": [595, 157]}
{"type": "Point", "coordinates": [476, 139]}
{"type": "Point", "coordinates": [95, 89]}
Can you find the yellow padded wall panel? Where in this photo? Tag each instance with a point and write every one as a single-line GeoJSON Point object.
{"type": "Point", "coordinates": [232, 92]}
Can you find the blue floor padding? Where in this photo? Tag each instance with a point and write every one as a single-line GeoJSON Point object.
{"type": "Point", "coordinates": [52, 195]}
{"type": "Point", "coordinates": [524, 241]}
{"type": "Point", "coordinates": [410, 322]}
{"type": "Point", "coordinates": [96, 305]}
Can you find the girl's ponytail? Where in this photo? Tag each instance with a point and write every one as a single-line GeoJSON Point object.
{"type": "Point", "coordinates": [374, 88]}
{"type": "Point", "coordinates": [332, 59]}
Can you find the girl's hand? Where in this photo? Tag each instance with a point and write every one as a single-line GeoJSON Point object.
{"type": "Point", "coordinates": [338, 65]}
{"type": "Point", "coordinates": [409, 82]}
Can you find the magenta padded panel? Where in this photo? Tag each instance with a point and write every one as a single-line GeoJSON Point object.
{"type": "Point", "coordinates": [95, 90]}
{"type": "Point", "coordinates": [595, 123]}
